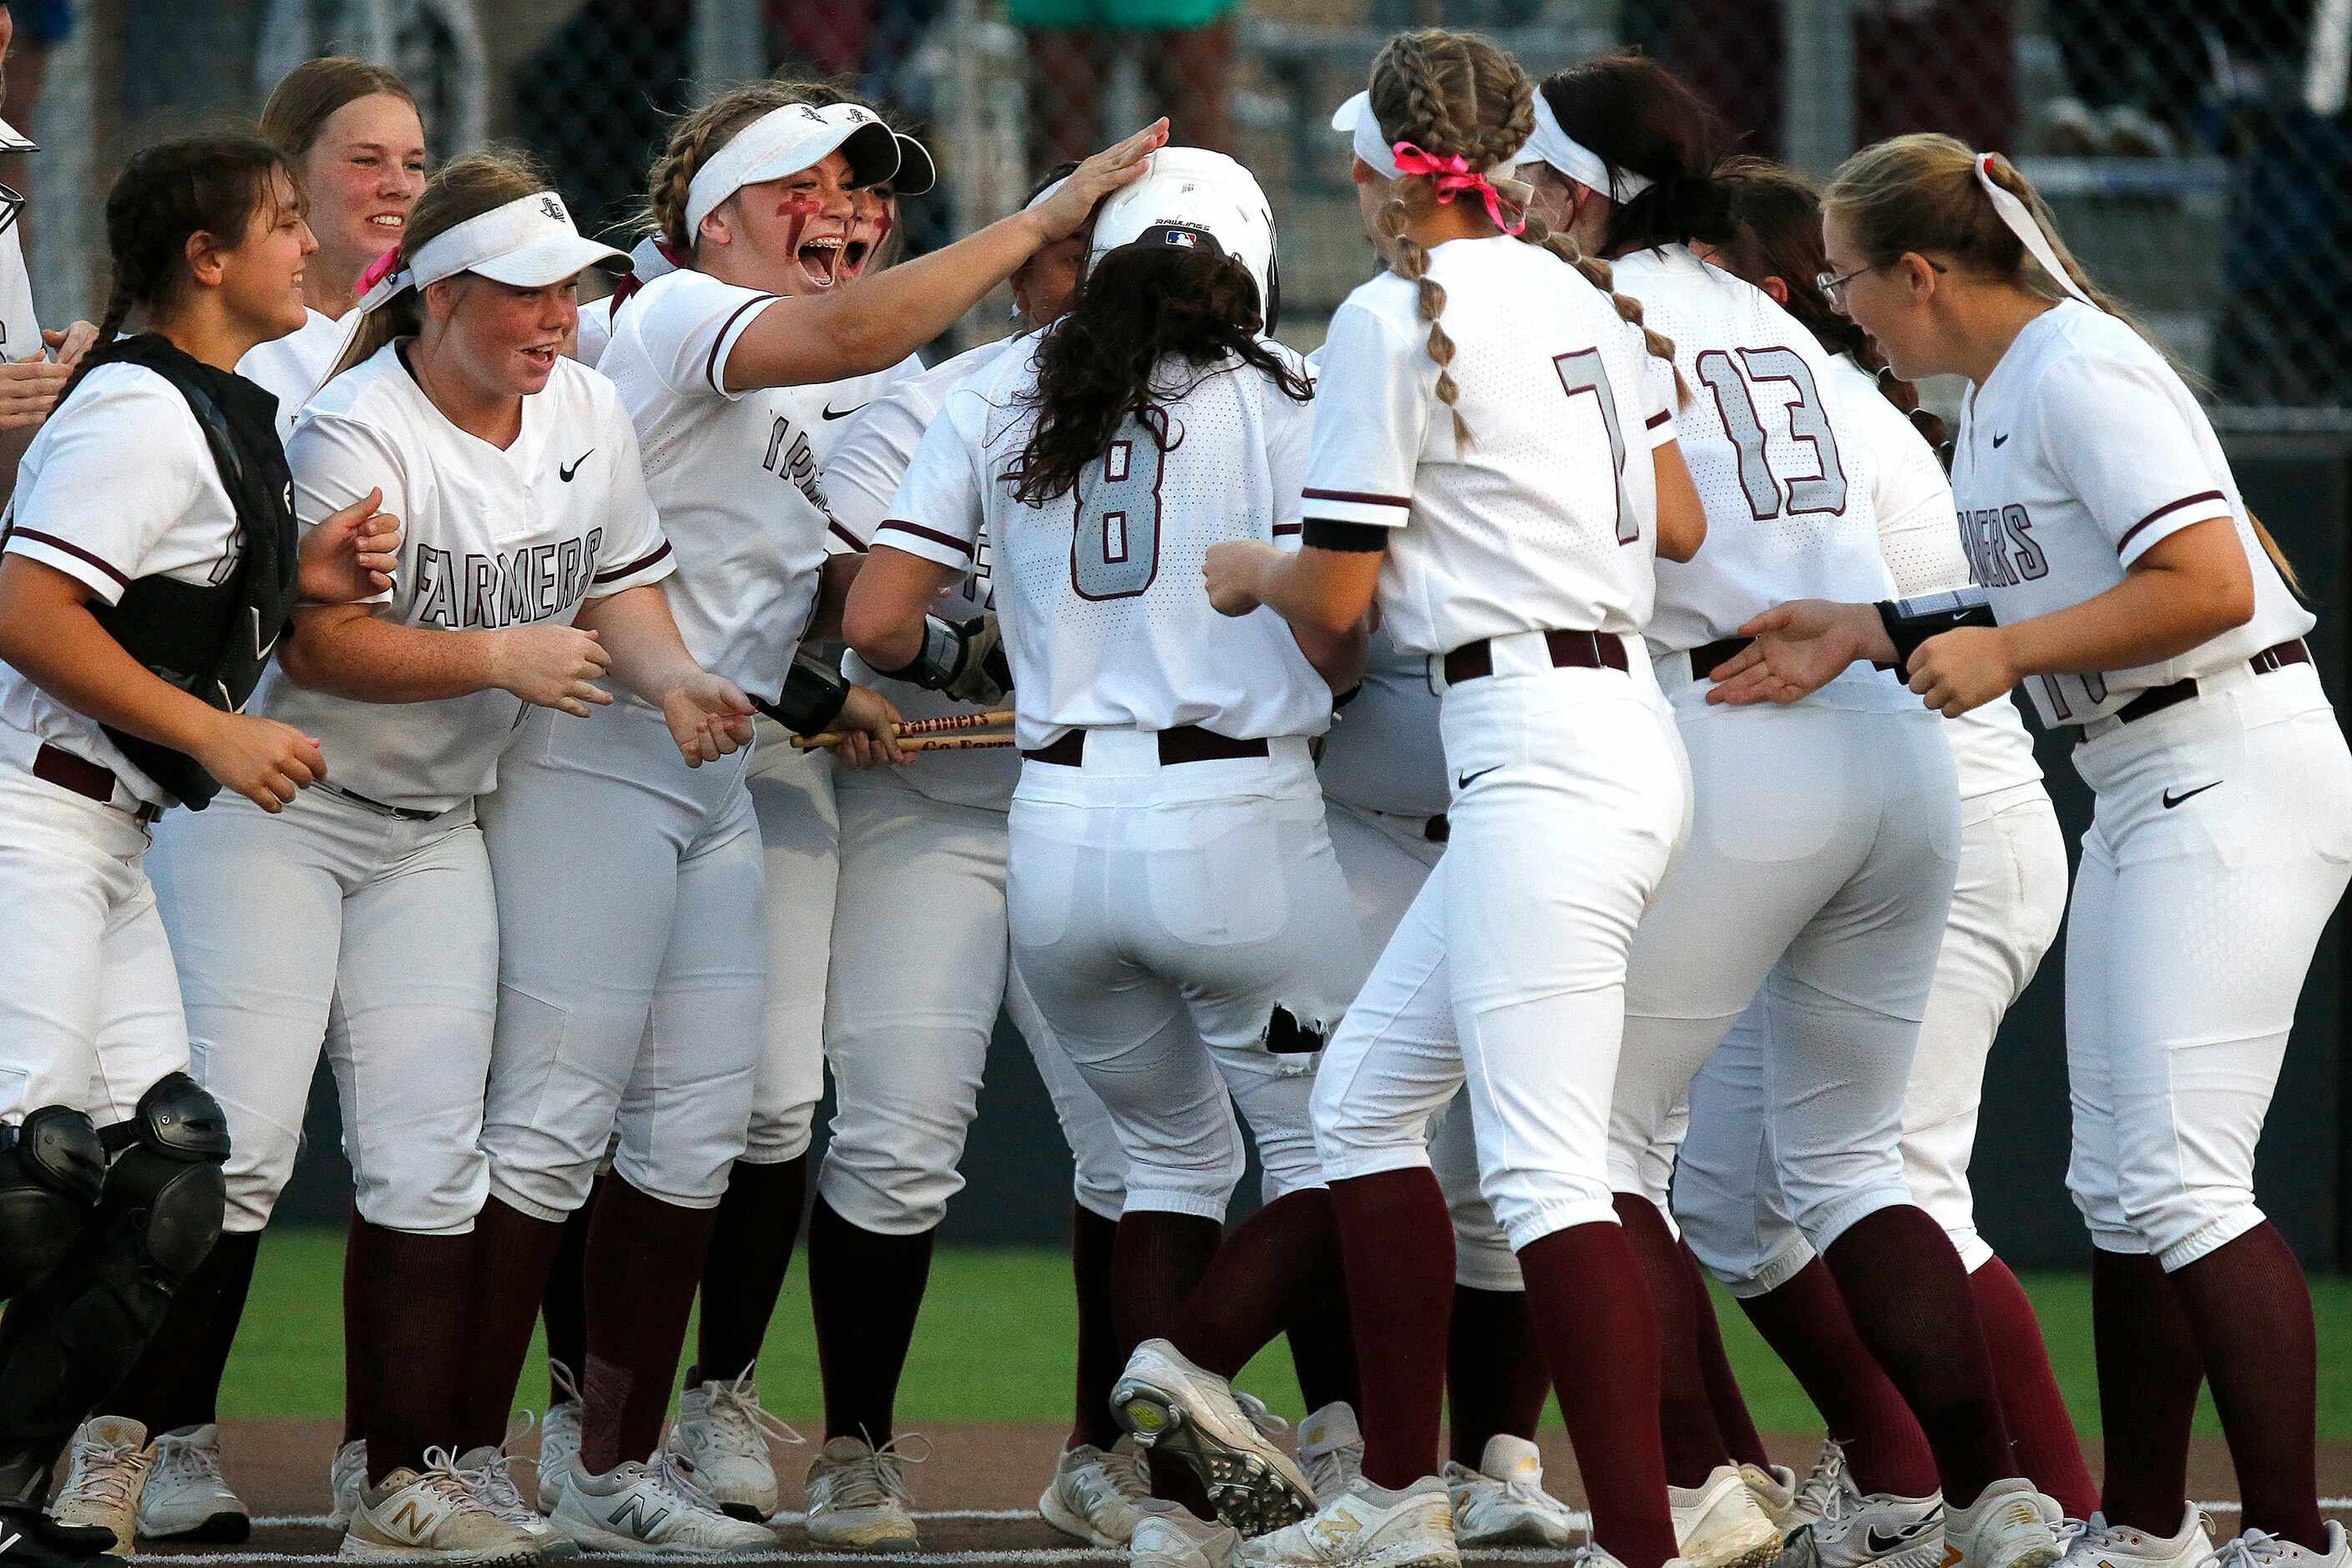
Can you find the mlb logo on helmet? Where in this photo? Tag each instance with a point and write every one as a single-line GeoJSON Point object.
{"type": "Point", "coordinates": [1186, 238]}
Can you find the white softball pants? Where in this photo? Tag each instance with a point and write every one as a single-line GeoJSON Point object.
{"type": "Point", "coordinates": [1508, 972]}
{"type": "Point", "coordinates": [920, 970]}
{"type": "Point", "coordinates": [334, 924]}
{"type": "Point", "coordinates": [800, 830]}
{"type": "Point", "coordinates": [2196, 913]}
{"type": "Point", "coordinates": [90, 1016]}
{"type": "Point", "coordinates": [630, 970]}
{"type": "Point", "coordinates": [2006, 903]}
{"type": "Point", "coordinates": [1159, 915]}
{"type": "Point", "coordinates": [1815, 886]}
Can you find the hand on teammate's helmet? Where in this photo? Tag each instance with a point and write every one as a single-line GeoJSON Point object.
{"type": "Point", "coordinates": [351, 555]}
{"type": "Point", "coordinates": [985, 677]}
{"type": "Point", "coordinates": [709, 718]}
{"type": "Point", "coordinates": [553, 666]}
{"type": "Point", "coordinates": [264, 761]}
{"type": "Point", "coordinates": [1066, 212]}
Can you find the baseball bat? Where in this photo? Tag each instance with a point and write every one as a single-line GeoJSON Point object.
{"type": "Point", "coordinates": [908, 727]}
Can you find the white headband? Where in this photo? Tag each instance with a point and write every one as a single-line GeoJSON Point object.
{"type": "Point", "coordinates": [1552, 146]}
{"type": "Point", "coordinates": [1355, 118]}
{"type": "Point", "coordinates": [528, 243]}
{"type": "Point", "coordinates": [2020, 219]}
{"type": "Point", "coordinates": [786, 140]}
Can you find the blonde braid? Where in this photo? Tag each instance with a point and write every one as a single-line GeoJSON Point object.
{"type": "Point", "coordinates": [694, 138]}
{"type": "Point", "coordinates": [1599, 273]}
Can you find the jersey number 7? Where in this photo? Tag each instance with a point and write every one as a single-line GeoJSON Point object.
{"type": "Point", "coordinates": [1115, 547]}
{"type": "Point", "coordinates": [1584, 371]}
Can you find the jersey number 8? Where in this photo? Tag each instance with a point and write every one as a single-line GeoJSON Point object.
{"type": "Point", "coordinates": [1807, 422]}
{"type": "Point", "coordinates": [1114, 549]}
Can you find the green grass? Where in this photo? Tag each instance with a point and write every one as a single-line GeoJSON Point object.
{"type": "Point", "coordinates": [994, 1342]}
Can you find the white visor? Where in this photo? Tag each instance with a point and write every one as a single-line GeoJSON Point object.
{"type": "Point", "coordinates": [1551, 145]}
{"type": "Point", "coordinates": [1355, 120]}
{"type": "Point", "coordinates": [786, 140]}
{"type": "Point", "coordinates": [14, 141]}
{"type": "Point", "coordinates": [528, 243]}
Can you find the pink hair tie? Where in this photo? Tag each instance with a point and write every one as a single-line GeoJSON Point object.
{"type": "Point", "coordinates": [1451, 173]}
{"type": "Point", "coordinates": [378, 270]}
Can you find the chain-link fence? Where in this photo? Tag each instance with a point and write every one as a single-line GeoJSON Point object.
{"type": "Point", "coordinates": [2196, 153]}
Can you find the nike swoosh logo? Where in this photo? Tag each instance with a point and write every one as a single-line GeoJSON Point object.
{"type": "Point", "coordinates": [1882, 1544]}
{"type": "Point", "coordinates": [833, 413]}
{"type": "Point", "coordinates": [2172, 800]}
{"type": "Point", "coordinates": [1998, 440]}
{"type": "Point", "coordinates": [1464, 781]}
{"type": "Point", "coordinates": [566, 473]}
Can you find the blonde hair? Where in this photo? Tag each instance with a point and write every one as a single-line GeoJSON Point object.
{"type": "Point", "coordinates": [696, 135]}
{"type": "Point", "coordinates": [1919, 193]}
{"type": "Point", "coordinates": [464, 188]}
{"type": "Point", "coordinates": [1599, 273]}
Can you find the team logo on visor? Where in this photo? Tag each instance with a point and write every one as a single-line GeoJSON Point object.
{"type": "Point", "coordinates": [552, 208]}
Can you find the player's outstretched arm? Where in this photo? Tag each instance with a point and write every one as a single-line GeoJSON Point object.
{"type": "Point", "coordinates": [1323, 593]}
{"type": "Point", "coordinates": [1799, 648]}
{"type": "Point", "coordinates": [889, 602]}
{"type": "Point", "coordinates": [709, 717]}
{"type": "Point", "coordinates": [856, 332]}
{"type": "Point", "coordinates": [351, 651]}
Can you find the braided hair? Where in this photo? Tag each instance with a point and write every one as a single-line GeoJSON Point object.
{"type": "Point", "coordinates": [697, 136]}
{"type": "Point", "coordinates": [173, 190]}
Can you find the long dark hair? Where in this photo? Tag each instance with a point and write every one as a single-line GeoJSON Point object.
{"type": "Point", "coordinates": [175, 189]}
{"type": "Point", "coordinates": [1642, 119]}
{"type": "Point", "coordinates": [1777, 233]}
{"type": "Point", "coordinates": [1140, 308]}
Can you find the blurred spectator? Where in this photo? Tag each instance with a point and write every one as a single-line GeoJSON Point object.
{"type": "Point", "coordinates": [1184, 50]}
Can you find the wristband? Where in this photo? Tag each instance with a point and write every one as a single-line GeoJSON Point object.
{"type": "Point", "coordinates": [812, 699]}
{"type": "Point", "coordinates": [938, 661]}
{"type": "Point", "coordinates": [1910, 622]}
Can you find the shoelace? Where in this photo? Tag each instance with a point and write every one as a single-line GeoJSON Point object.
{"type": "Point", "coordinates": [494, 1486]}
{"type": "Point", "coordinates": [745, 1429]}
{"type": "Point", "coordinates": [872, 1480]}
{"type": "Point", "coordinates": [2247, 1549]}
{"type": "Point", "coordinates": [1825, 1483]}
{"type": "Point", "coordinates": [1128, 1477]}
{"type": "Point", "coordinates": [184, 1458]}
{"type": "Point", "coordinates": [673, 1472]}
{"type": "Point", "coordinates": [109, 1473]}
{"type": "Point", "coordinates": [442, 1476]}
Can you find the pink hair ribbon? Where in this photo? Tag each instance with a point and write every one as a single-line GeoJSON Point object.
{"type": "Point", "coordinates": [378, 270]}
{"type": "Point", "coordinates": [1451, 173]}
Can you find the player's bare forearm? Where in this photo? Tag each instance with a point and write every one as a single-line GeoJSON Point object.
{"type": "Point", "coordinates": [1340, 660]}
{"type": "Point", "coordinates": [347, 650]}
{"type": "Point", "coordinates": [1323, 593]}
{"type": "Point", "coordinates": [638, 629]}
{"type": "Point", "coordinates": [47, 633]}
{"type": "Point", "coordinates": [883, 617]}
{"type": "Point", "coordinates": [833, 583]}
{"type": "Point", "coordinates": [2186, 590]}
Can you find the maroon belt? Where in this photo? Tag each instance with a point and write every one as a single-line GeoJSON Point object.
{"type": "Point", "coordinates": [2156, 698]}
{"type": "Point", "coordinates": [1707, 657]}
{"type": "Point", "coordinates": [85, 778]}
{"type": "Point", "coordinates": [1569, 650]}
{"type": "Point", "coordinates": [1184, 744]}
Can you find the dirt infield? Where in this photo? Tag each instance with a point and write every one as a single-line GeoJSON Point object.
{"type": "Point", "coordinates": [976, 1495]}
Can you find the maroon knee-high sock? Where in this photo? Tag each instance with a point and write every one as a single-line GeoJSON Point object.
{"type": "Point", "coordinates": [360, 1366]}
{"type": "Point", "coordinates": [1398, 1240]}
{"type": "Point", "coordinates": [1731, 1416]}
{"type": "Point", "coordinates": [2250, 1311]}
{"type": "Point", "coordinates": [865, 1290]}
{"type": "Point", "coordinates": [1694, 1445]}
{"type": "Point", "coordinates": [645, 1258]}
{"type": "Point", "coordinates": [513, 1253]}
{"type": "Point", "coordinates": [177, 1381]}
{"type": "Point", "coordinates": [405, 1308]}
{"type": "Point", "coordinates": [1323, 1354]}
{"type": "Point", "coordinates": [1099, 1357]}
{"type": "Point", "coordinates": [563, 1304]}
{"type": "Point", "coordinates": [1495, 1380]}
{"type": "Point", "coordinates": [1598, 1330]}
{"type": "Point", "coordinates": [1910, 1298]}
{"type": "Point", "coordinates": [2039, 1427]}
{"type": "Point", "coordinates": [751, 1252]}
{"type": "Point", "coordinates": [1806, 1323]}
{"type": "Point", "coordinates": [1277, 1268]}
{"type": "Point", "coordinates": [1156, 1258]}
{"type": "Point", "coordinates": [2150, 1372]}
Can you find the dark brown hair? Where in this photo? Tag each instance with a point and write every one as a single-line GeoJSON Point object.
{"type": "Point", "coordinates": [1776, 216]}
{"type": "Point", "coordinates": [1140, 309]}
{"type": "Point", "coordinates": [1642, 119]}
{"type": "Point", "coordinates": [169, 192]}
{"type": "Point", "coordinates": [307, 97]}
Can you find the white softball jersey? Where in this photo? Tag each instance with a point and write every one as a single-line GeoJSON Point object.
{"type": "Point", "coordinates": [125, 436]}
{"type": "Point", "coordinates": [492, 539]}
{"type": "Point", "coordinates": [734, 474]}
{"type": "Point", "coordinates": [1091, 645]}
{"type": "Point", "coordinates": [844, 400]}
{"type": "Point", "coordinates": [1545, 518]}
{"type": "Point", "coordinates": [1790, 512]}
{"type": "Point", "coordinates": [1914, 502]}
{"type": "Point", "coordinates": [861, 476]}
{"type": "Point", "coordinates": [595, 332]}
{"type": "Point", "coordinates": [2080, 452]}
{"type": "Point", "coordinates": [293, 367]}
{"type": "Point", "coordinates": [20, 325]}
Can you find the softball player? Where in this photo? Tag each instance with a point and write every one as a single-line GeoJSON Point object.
{"type": "Point", "coordinates": [716, 364]}
{"type": "Point", "coordinates": [2138, 602]}
{"type": "Point", "coordinates": [1159, 778]}
{"type": "Point", "coordinates": [111, 633]}
{"type": "Point", "coordinates": [2005, 908]}
{"type": "Point", "coordinates": [352, 132]}
{"type": "Point", "coordinates": [1472, 467]}
{"type": "Point", "coordinates": [34, 363]}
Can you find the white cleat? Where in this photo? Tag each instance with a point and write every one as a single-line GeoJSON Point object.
{"type": "Point", "coordinates": [722, 1429]}
{"type": "Point", "coordinates": [185, 1498]}
{"type": "Point", "coordinates": [346, 1478]}
{"type": "Point", "coordinates": [2010, 1525]}
{"type": "Point", "coordinates": [1824, 1481]}
{"type": "Point", "coordinates": [559, 1436]}
{"type": "Point", "coordinates": [651, 1508]}
{"type": "Point", "coordinates": [1330, 1450]}
{"type": "Point", "coordinates": [1367, 1526]}
{"type": "Point", "coordinates": [1175, 1407]}
{"type": "Point", "coordinates": [433, 1515]}
{"type": "Point", "coordinates": [1168, 1536]}
{"type": "Point", "coordinates": [2258, 1549]}
{"type": "Point", "coordinates": [1873, 1529]}
{"type": "Point", "coordinates": [857, 1497]}
{"type": "Point", "coordinates": [1720, 1524]}
{"type": "Point", "coordinates": [2103, 1545]}
{"type": "Point", "coordinates": [1503, 1502]}
{"type": "Point", "coordinates": [491, 1472]}
{"type": "Point", "coordinates": [106, 1470]}
{"type": "Point", "coordinates": [1096, 1495]}
{"type": "Point", "coordinates": [1775, 1490]}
